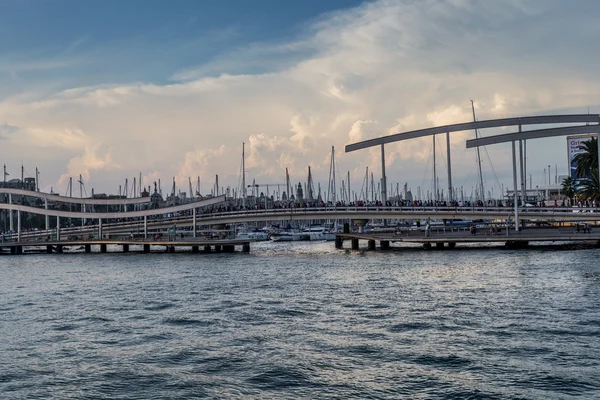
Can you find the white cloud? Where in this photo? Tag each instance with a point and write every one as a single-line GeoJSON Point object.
{"type": "Point", "coordinates": [381, 68]}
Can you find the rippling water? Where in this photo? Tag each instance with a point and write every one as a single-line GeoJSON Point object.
{"type": "Point", "coordinates": [302, 320]}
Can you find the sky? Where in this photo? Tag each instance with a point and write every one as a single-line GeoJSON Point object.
{"type": "Point", "coordinates": [110, 89]}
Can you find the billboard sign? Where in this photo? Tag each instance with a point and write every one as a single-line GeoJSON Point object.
{"type": "Point", "coordinates": [573, 143]}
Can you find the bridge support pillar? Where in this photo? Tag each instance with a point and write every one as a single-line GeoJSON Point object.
{"type": "Point", "coordinates": [103, 248]}
{"type": "Point", "coordinates": [439, 245]}
{"type": "Point", "coordinates": [47, 219]}
{"type": "Point", "coordinates": [19, 249]}
{"type": "Point", "coordinates": [450, 189]}
{"type": "Point", "coordinates": [385, 244]}
{"type": "Point", "coordinates": [208, 249]}
{"type": "Point", "coordinates": [18, 225]}
{"type": "Point", "coordinates": [195, 249]}
{"type": "Point", "coordinates": [427, 245]}
{"type": "Point", "coordinates": [126, 248]}
{"type": "Point", "coordinates": [354, 243]}
{"type": "Point", "coordinates": [11, 224]}
{"type": "Point", "coordinates": [59, 248]}
{"type": "Point", "coordinates": [361, 224]}
{"type": "Point", "coordinates": [371, 245]}
{"type": "Point", "coordinates": [451, 245]}
{"type": "Point", "coordinates": [194, 221]}
{"type": "Point", "coordinates": [146, 248]}
{"type": "Point", "coordinates": [516, 194]}
{"type": "Point", "coordinates": [13, 250]}
{"type": "Point", "coordinates": [246, 247]}
{"type": "Point", "coordinates": [339, 242]}
{"type": "Point", "coordinates": [218, 248]}
{"type": "Point", "coordinates": [49, 249]}
{"type": "Point", "coordinates": [229, 248]}
{"type": "Point", "coordinates": [88, 248]}
{"type": "Point", "coordinates": [171, 249]}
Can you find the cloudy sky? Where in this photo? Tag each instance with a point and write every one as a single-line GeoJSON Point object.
{"type": "Point", "coordinates": [111, 89]}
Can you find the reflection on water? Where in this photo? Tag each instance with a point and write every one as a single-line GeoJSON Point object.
{"type": "Point", "coordinates": [302, 320]}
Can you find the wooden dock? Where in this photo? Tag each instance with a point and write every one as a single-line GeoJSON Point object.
{"type": "Point", "coordinates": [126, 245]}
{"type": "Point", "coordinates": [450, 238]}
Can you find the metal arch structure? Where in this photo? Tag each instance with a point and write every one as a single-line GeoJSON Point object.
{"type": "Point", "coordinates": [493, 123]}
{"type": "Point", "coordinates": [528, 135]}
{"type": "Point", "coordinates": [75, 200]}
{"type": "Point", "coordinates": [467, 126]}
{"type": "Point", "coordinates": [533, 134]}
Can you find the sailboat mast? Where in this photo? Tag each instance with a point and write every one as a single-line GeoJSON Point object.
{"type": "Point", "coordinates": [349, 193]}
{"type": "Point", "coordinates": [367, 184]}
{"type": "Point", "coordinates": [243, 175]}
{"type": "Point", "coordinates": [287, 184]}
{"type": "Point", "coordinates": [478, 156]}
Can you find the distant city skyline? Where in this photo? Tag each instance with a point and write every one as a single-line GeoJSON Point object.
{"type": "Point", "coordinates": [111, 89]}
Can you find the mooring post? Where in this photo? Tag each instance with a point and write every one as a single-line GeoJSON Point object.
{"type": "Point", "coordinates": [339, 242]}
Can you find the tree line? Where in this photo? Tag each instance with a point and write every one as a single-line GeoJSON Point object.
{"type": "Point", "coordinates": [586, 188]}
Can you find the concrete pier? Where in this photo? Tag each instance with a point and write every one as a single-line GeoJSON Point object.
{"type": "Point", "coordinates": [451, 238]}
{"type": "Point", "coordinates": [85, 246]}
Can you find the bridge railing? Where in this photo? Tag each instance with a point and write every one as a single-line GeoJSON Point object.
{"type": "Point", "coordinates": [283, 214]}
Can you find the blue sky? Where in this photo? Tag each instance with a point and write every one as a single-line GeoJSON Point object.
{"type": "Point", "coordinates": [111, 89]}
{"type": "Point", "coordinates": [80, 43]}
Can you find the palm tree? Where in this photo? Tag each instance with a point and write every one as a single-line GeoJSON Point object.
{"type": "Point", "coordinates": [589, 188]}
{"type": "Point", "coordinates": [588, 159]}
{"type": "Point", "coordinates": [569, 188]}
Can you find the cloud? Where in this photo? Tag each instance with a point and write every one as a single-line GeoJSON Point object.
{"type": "Point", "coordinates": [6, 130]}
{"type": "Point", "coordinates": [381, 68]}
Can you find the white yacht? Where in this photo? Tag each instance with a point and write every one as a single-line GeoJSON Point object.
{"type": "Point", "coordinates": [319, 233]}
{"type": "Point", "coordinates": [254, 235]}
{"type": "Point", "coordinates": [289, 236]}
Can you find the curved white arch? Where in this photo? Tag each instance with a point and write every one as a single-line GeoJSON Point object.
{"type": "Point", "coordinates": [74, 200]}
{"type": "Point", "coordinates": [465, 126]}
{"type": "Point", "coordinates": [105, 215]}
